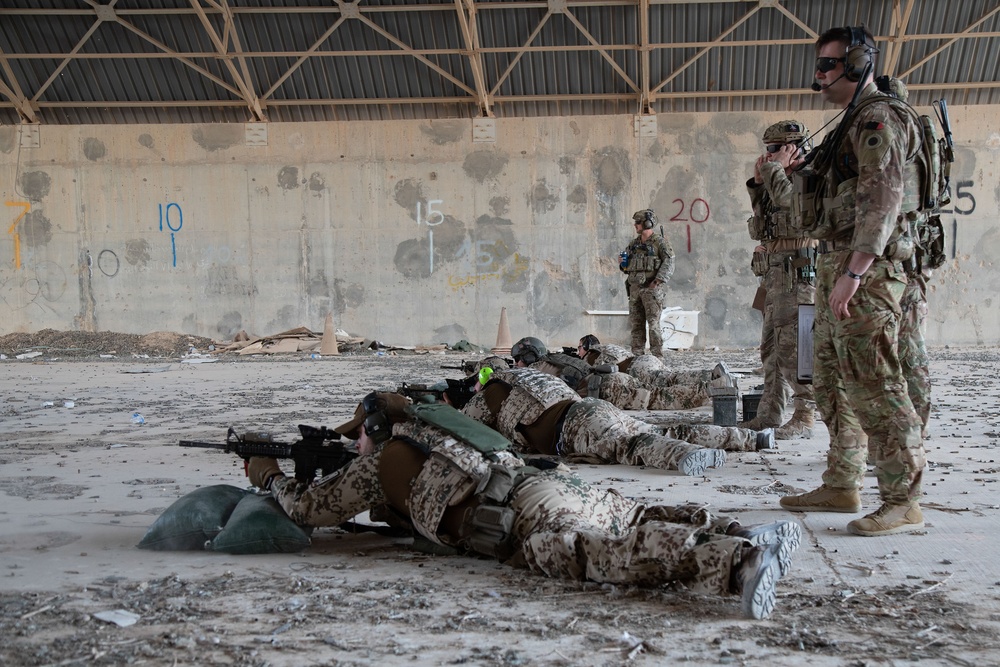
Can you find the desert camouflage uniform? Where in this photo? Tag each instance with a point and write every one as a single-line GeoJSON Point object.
{"type": "Point", "coordinates": [786, 266]}
{"type": "Point", "coordinates": [594, 430]}
{"type": "Point", "coordinates": [668, 390]}
{"type": "Point", "coordinates": [645, 303]}
{"type": "Point", "coordinates": [561, 526]}
{"type": "Point", "coordinates": [617, 388]}
{"type": "Point", "coordinates": [857, 375]}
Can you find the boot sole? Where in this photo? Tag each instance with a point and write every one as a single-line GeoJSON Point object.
{"type": "Point", "coordinates": [698, 461]}
{"type": "Point", "coordinates": [906, 528]}
{"type": "Point", "coordinates": [793, 436]}
{"type": "Point", "coordinates": [759, 595]}
{"type": "Point", "coordinates": [786, 534]}
{"type": "Point", "coordinates": [819, 508]}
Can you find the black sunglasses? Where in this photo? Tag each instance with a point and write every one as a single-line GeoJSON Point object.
{"type": "Point", "coordinates": [774, 148]}
{"type": "Point", "coordinates": [826, 63]}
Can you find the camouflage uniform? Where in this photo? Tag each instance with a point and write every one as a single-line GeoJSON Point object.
{"type": "Point", "coordinates": [645, 303]}
{"type": "Point", "coordinates": [621, 390]}
{"type": "Point", "coordinates": [857, 375]}
{"type": "Point", "coordinates": [787, 267]}
{"type": "Point", "coordinates": [593, 430]}
{"type": "Point", "coordinates": [559, 525]}
{"type": "Point", "coordinates": [668, 390]}
{"type": "Point", "coordinates": [912, 348]}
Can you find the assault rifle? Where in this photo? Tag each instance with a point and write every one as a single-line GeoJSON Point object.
{"type": "Point", "coordinates": [469, 365]}
{"type": "Point", "coordinates": [311, 453]}
{"type": "Point", "coordinates": [458, 392]}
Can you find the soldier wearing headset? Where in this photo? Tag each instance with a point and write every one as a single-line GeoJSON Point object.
{"type": "Point", "coordinates": [648, 263]}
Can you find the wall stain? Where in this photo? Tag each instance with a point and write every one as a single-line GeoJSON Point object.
{"type": "Point", "coordinates": [35, 229]}
{"type": "Point", "coordinates": [288, 178]}
{"type": "Point", "coordinates": [481, 165]}
{"type": "Point", "coordinates": [407, 194]}
{"type": "Point", "coordinates": [146, 140]}
{"type": "Point", "coordinates": [445, 131]}
{"type": "Point", "coordinates": [8, 139]}
{"type": "Point", "coordinates": [230, 324]}
{"type": "Point", "coordinates": [227, 281]}
{"type": "Point", "coordinates": [451, 333]}
{"type": "Point", "coordinates": [316, 182]}
{"type": "Point", "coordinates": [541, 198]}
{"type": "Point", "coordinates": [514, 278]}
{"type": "Point", "coordinates": [567, 165]}
{"type": "Point", "coordinates": [612, 170]}
{"type": "Point", "coordinates": [137, 252]}
{"type": "Point", "coordinates": [219, 137]}
{"type": "Point", "coordinates": [577, 198]}
{"type": "Point", "coordinates": [554, 302]}
{"type": "Point", "coordinates": [500, 205]}
{"type": "Point", "coordinates": [347, 295]}
{"type": "Point", "coordinates": [94, 149]}
{"type": "Point", "coordinates": [493, 237]}
{"type": "Point", "coordinates": [35, 185]}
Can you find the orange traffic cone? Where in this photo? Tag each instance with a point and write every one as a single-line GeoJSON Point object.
{"type": "Point", "coordinates": [504, 342]}
{"type": "Point", "coordinates": [328, 346]}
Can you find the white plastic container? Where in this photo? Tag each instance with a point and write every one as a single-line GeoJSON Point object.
{"type": "Point", "coordinates": [679, 327]}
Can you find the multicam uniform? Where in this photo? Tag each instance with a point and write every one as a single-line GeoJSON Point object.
{"type": "Point", "coordinates": [647, 261]}
{"type": "Point", "coordinates": [912, 348]}
{"type": "Point", "coordinates": [551, 522]}
{"type": "Point", "coordinates": [788, 269]}
{"type": "Point", "coordinates": [857, 375]}
{"type": "Point", "coordinates": [605, 382]}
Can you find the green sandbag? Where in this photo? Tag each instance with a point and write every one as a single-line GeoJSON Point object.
{"type": "Point", "coordinates": [193, 519]}
{"type": "Point", "coordinates": [258, 525]}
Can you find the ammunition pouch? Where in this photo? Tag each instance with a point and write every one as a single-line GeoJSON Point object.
{"type": "Point", "coordinates": [755, 226]}
{"type": "Point", "coordinates": [804, 266]}
{"type": "Point", "coordinates": [930, 243]}
{"type": "Point", "coordinates": [807, 191]}
{"type": "Point", "coordinates": [840, 211]}
{"type": "Point", "coordinates": [488, 531]}
{"type": "Point", "coordinates": [758, 263]}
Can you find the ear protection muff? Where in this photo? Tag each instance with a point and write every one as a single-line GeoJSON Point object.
{"type": "Point", "coordinates": [859, 54]}
{"type": "Point", "coordinates": [646, 217]}
{"type": "Point", "coordinates": [376, 423]}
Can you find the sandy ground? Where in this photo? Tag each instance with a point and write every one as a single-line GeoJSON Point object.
{"type": "Point", "coordinates": [80, 485]}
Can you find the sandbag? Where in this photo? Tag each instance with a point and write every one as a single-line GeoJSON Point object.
{"type": "Point", "coordinates": [258, 525]}
{"type": "Point", "coordinates": [193, 520]}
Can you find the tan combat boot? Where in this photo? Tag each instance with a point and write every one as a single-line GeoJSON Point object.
{"type": "Point", "coordinates": [761, 422]}
{"type": "Point", "coordinates": [799, 426]}
{"type": "Point", "coordinates": [824, 499]}
{"type": "Point", "coordinates": [888, 520]}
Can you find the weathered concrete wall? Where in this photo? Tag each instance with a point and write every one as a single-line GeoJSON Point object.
{"type": "Point", "coordinates": [411, 233]}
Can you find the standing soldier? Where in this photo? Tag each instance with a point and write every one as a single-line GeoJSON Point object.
{"type": "Point", "coordinates": [648, 262]}
{"type": "Point", "coordinates": [858, 197]}
{"type": "Point", "coordinates": [786, 260]}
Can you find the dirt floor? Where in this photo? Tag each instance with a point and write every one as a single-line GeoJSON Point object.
{"type": "Point", "coordinates": [80, 483]}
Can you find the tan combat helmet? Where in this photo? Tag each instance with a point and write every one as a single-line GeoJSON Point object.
{"type": "Point", "coordinates": [788, 132]}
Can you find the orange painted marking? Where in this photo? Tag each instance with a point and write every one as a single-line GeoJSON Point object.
{"type": "Point", "coordinates": [17, 237]}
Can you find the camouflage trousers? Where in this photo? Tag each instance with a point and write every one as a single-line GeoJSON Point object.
{"type": "Point", "coordinates": [644, 307]}
{"type": "Point", "coordinates": [570, 530]}
{"type": "Point", "coordinates": [859, 383]}
{"type": "Point", "coordinates": [623, 391]}
{"type": "Point", "coordinates": [671, 390]}
{"type": "Point", "coordinates": [594, 431]}
{"type": "Point", "coordinates": [729, 438]}
{"type": "Point", "coordinates": [912, 348]}
{"type": "Point", "coordinates": [779, 341]}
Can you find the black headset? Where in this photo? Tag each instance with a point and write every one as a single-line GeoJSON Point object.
{"type": "Point", "coordinates": [648, 218]}
{"type": "Point", "coordinates": [860, 53]}
{"type": "Point", "coordinates": [376, 422]}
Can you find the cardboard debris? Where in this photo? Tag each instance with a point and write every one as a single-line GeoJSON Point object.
{"type": "Point", "coordinates": [303, 339]}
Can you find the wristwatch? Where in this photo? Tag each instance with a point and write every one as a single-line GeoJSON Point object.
{"type": "Point", "coordinates": [856, 276]}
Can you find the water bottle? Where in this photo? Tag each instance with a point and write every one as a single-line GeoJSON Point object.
{"type": "Point", "coordinates": [623, 259]}
{"type": "Point", "coordinates": [138, 418]}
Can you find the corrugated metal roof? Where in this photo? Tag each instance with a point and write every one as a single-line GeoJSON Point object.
{"type": "Point", "coordinates": [167, 61]}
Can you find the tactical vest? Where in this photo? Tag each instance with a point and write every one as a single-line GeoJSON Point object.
{"type": "Point", "coordinates": [532, 393]}
{"type": "Point", "coordinates": [611, 354]}
{"type": "Point", "coordinates": [826, 214]}
{"type": "Point", "coordinates": [458, 466]}
{"type": "Point", "coordinates": [769, 222]}
{"type": "Point", "coordinates": [643, 260]}
{"type": "Point", "coordinates": [572, 370]}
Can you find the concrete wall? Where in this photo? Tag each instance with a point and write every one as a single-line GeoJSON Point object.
{"type": "Point", "coordinates": [411, 233]}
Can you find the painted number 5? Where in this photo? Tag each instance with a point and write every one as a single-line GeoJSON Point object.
{"type": "Point", "coordinates": [433, 216]}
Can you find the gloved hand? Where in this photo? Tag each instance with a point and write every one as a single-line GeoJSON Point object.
{"type": "Point", "coordinates": [262, 470]}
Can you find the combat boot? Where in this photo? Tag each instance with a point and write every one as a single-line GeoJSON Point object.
{"type": "Point", "coordinates": [824, 499]}
{"type": "Point", "coordinates": [761, 422]}
{"type": "Point", "coordinates": [765, 439]}
{"type": "Point", "coordinates": [786, 534]}
{"type": "Point", "coordinates": [799, 426]}
{"type": "Point", "coordinates": [755, 579]}
{"type": "Point", "coordinates": [888, 520]}
{"type": "Point", "coordinates": [694, 463]}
